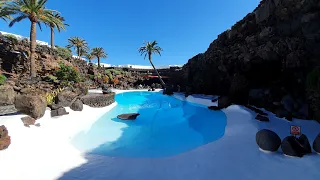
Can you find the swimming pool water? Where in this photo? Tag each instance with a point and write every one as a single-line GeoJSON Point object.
{"type": "Point", "coordinates": [166, 127]}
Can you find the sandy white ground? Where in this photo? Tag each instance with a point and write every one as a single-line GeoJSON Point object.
{"type": "Point", "coordinates": [45, 153]}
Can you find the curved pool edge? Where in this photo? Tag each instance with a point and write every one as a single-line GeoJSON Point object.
{"type": "Point", "coordinates": [198, 129]}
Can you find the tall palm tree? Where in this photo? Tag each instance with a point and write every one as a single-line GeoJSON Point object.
{"type": "Point", "coordinates": [148, 49]}
{"type": "Point", "coordinates": [98, 52]}
{"type": "Point", "coordinates": [89, 57]}
{"type": "Point", "coordinates": [59, 25]}
{"type": "Point", "coordinates": [80, 45]}
{"type": "Point", "coordinates": [36, 12]}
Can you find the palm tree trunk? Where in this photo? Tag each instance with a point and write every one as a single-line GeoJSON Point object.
{"type": "Point", "coordinates": [78, 49]}
{"type": "Point", "coordinates": [98, 62]}
{"type": "Point", "coordinates": [52, 37]}
{"type": "Point", "coordinates": [33, 45]}
{"type": "Point", "coordinates": [161, 81]}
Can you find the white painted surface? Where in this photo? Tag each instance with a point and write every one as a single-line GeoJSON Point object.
{"type": "Point", "coordinates": [132, 66]}
{"type": "Point", "coordinates": [19, 37]}
{"type": "Point", "coordinates": [45, 153]}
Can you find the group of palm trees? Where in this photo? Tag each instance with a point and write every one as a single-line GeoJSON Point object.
{"type": "Point", "coordinates": [35, 10]}
{"type": "Point", "coordinates": [37, 13]}
{"type": "Point", "coordinates": [83, 50]}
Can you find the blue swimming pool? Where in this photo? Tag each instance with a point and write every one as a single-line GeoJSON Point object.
{"type": "Point", "coordinates": [166, 127]}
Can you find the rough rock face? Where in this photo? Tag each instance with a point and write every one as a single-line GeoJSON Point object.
{"type": "Point", "coordinates": [268, 140]}
{"type": "Point", "coordinates": [270, 51]}
{"type": "Point", "coordinates": [131, 116]}
{"type": "Point", "coordinates": [27, 121]}
{"type": "Point", "coordinates": [65, 98]}
{"type": "Point", "coordinates": [82, 65]}
{"type": "Point", "coordinates": [14, 55]}
{"type": "Point", "coordinates": [3, 131]}
{"type": "Point", "coordinates": [5, 140]}
{"type": "Point", "coordinates": [59, 112]}
{"type": "Point", "coordinates": [80, 89]}
{"type": "Point", "coordinates": [7, 95]}
{"type": "Point", "coordinates": [98, 100]}
{"type": "Point", "coordinates": [34, 106]}
{"type": "Point", "coordinates": [293, 146]}
{"type": "Point", "coordinates": [77, 105]}
{"type": "Point", "coordinates": [223, 102]}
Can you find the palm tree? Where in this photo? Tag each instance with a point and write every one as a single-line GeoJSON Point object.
{"type": "Point", "coordinates": [98, 52]}
{"type": "Point", "coordinates": [3, 15]}
{"type": "Point", "coordinates": [36, 12]}
{"type": "Point", "coordinates": [59, 25]}
{"type": "Point", "coordinates": [80, 45]}
{"type": "Point", "coordinates": [89, 57]}
{"type": "Point", "coordinates": [148, 49]}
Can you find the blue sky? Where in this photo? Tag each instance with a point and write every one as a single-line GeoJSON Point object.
{"type": "Point", "coordinates": [182, 28]}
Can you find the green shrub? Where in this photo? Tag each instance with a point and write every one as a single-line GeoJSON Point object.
{"type": "Point", "coordinates": [109, 74]}
{"type": "Point", "coordinates": [65, 53]}
{"type": "Point", "coordinates": [11, 38]}
{"type": "Point", "coordinates": [2, 79]}
{"type": "Point", "coordinates": [98, 76]}
{"type": "Point", "coordinates": [51, 78]}
{"type": "Point", "coordinates": [91, 76]}
{"type": "Point", "coordinates": [116, 72]}
{"type": "Point", "coordinates": [67, 73]}
{"type": "Point", "coordinates": [66, 83]}
{"type": "Point", "coordinates": [128, 74]}
{"type": "Point", "coordinates": [108, 71]}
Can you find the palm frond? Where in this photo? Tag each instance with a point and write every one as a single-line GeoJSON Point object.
{"type": "Point", "coordinates": [17, 19]}
{"type": "Point", "coordinates": [150, 48]}
{"type": "Point", "coordinates": [80, 45]}
{"type": "Point", "coordinates": [99, 52]}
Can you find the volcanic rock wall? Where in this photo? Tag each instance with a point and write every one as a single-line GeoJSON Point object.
{"type": "Point", "coordinates": [268, 53]}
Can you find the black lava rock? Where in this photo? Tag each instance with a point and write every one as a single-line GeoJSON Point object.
{"type": "Point", "coordinates": [131, 116]}
{"type": "Point", "coordinates": [224, 102]}
{"type": "Point", "coordinates": [77, 105]}
{"type": "Point", "coordinates": [291, 146]}
{"type": "Point", "coordinates": [316, 144]}
{"type": "Point", "coordinates": [168, 91]}
{"type": "Point", "coordinates": [256, 110]}
{"type": "Point", "coordinates": [262, 118]}
{"type": "Point", "coordinates": [214, 100]}
{"type": "Point", "coordinates": [59, 112]}
{"type": "Point", "coordinates": [55, 106]}
{"type": "Point", "coordinates": [303, 139]}
{"type": "Point", "coordinates": [214, 108]}
{"type": "Point", "coordinates": [268, 140]}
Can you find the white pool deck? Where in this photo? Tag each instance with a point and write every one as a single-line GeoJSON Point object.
{"type": "Point", "coordinates": [45, 153]}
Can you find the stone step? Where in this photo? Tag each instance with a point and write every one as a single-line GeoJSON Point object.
{"type": "Point", "coordinates": [7, 110]}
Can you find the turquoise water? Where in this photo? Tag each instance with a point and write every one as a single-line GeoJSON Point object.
{"type": "Point", "coordinates": [166, 127]}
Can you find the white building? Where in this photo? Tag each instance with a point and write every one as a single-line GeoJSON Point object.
{"type": "Point", "coordinates": [77, 57]}
{"type": "Point", "coordinates": [22, 37]}
{"type": "Point", "coordinates": [132, 66]}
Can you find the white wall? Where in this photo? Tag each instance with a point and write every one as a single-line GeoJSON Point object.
{"type": "Point", "coordinates": [22, 37]}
